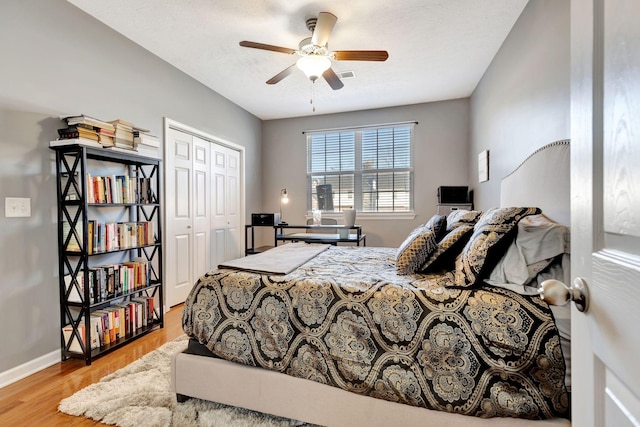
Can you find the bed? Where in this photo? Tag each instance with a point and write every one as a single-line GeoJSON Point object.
{"type": "Point", "coordinates": [443, 331]}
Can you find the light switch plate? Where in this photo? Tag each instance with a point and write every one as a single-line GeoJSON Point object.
{"type": "Point", "coordinates": [17, 207]}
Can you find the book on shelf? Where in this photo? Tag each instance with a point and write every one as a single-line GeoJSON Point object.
{"type": "Point", "coordinates": [142, 138]}
{"type": "Point", "coordinates": [123, 137]}
{"type": "Point", "coordinates": [145, 314]}
{"type": "Point", "coordinates": [98, 284]}
{"type": "Point", "coordinates": [69, 187]}
{"type": "Point", "coordinates": [148, 151]}
{"type": "Point", "coordinates": [76, 291]}
{"type": "Point", "coordinates": [94, 334]}
{"type": "Point", "coordinates": [125, 327]}
{"type": "Point", "coordinates": [67, 332]}
{"type": "Point", "coordinates": [128, 150]}
{"type": "Point", "coordinates": [123, 140]}
{"type": "Point", "coordinates": [75, 141]}
{"type": "Point", "coordinates": [106, 325]}
{"type": "Point", "coordinates": [106, 137]}
{"type": "Point", "coordinates": [106, 132]}
{"type": "Point", "coordinates": [122, 124]}
{"type": "Point", "coordinates": [72, 239]}
{"type": "Point", "coordinates": [118, 189]}
{"type": "Point", "coordinates": [87, 120]}
{"type": "Point", "coordinates": [114, 316]}
{"type": "Point", "coordinates": [113, 281]}
{"type": "Point", "coordinates": [96, 330]}
{"type": "Point", "coordinates": [78, 131]}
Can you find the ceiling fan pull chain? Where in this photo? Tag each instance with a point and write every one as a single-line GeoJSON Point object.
{"type": "Point", "coordinates": [313, 109]}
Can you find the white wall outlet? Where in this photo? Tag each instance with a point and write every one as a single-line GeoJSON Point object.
{"type": "Point", "coordinates": [17, 207]}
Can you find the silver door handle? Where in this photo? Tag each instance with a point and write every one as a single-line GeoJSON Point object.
{"type": "Point", "coordinates": [555, 292]}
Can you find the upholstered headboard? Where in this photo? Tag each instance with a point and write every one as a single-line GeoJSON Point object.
{"type": "Point", "coordinates": [542, 180]}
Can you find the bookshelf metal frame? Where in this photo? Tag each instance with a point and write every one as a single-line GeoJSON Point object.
{"type": "Point", "coordinates": [72, 165]}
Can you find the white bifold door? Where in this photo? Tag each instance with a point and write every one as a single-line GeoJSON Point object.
{"type": "Point", "coordinates": [225, 204]}
{"type": "Point", "coordinates": [202, 180]}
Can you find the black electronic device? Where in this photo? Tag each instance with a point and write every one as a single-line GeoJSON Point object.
{"type": "Point", "coordinates": [265, 218]}
{"type": "Point", "coordinates": [453, 194]}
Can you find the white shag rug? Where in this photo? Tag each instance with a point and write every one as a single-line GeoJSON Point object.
{"type": "Point", "coordinates": [139, 395]}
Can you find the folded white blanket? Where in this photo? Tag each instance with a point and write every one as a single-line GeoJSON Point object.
{"type": "Point", "coordinates": [279, 260]}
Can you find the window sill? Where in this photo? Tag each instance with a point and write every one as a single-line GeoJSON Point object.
{"type": "Point", "coordinates": [368, 215]}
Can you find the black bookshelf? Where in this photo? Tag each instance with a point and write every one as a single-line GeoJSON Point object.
{"type": "Point", "coordinates": [81, 262]}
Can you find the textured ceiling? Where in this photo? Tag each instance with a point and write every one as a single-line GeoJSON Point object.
{"type": "Point", "coordinates": [438, 49]}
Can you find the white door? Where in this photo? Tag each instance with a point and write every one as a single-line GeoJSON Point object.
{"type": "Point", "coordinates": [226, 204]}
{"type": "Point", "coordinates": [605, 177]}
{"type": "Point", "coordinates": [188, 219]}
{"type": "Point", "coordinates": [201, 206]}
{"type": "Point", "coordinates": [179, 216]}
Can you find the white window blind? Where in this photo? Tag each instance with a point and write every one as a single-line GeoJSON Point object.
{"type": "Point", "coordinates": [367, 168]}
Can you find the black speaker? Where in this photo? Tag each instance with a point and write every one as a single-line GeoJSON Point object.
{"type": "Point", "coordinates": [325, 197]}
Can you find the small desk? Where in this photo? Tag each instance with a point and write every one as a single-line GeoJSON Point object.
{"type": "Point", "coordinates": [311, 237]}
{"type": "Point", "coordinates": [250, 250]}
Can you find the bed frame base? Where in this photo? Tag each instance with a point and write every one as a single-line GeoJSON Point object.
{"type": "Point", "coordinates": [279, 394]}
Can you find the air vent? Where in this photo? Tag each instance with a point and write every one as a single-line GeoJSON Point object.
{"type": "Point", "coordinates": [346, 75]}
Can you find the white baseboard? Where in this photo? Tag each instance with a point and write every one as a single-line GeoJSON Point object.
{"type": "Point", "coordinates": [31, 367]}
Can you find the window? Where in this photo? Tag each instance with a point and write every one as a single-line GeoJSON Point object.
{"type": "Point", "coordinates": [369, 169]}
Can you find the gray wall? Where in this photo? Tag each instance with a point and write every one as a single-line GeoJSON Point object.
{"type": "Point", "coordinates": [523, 100]}
{"type": "Point", "coordinates": [440, 153]}
{"type": "Point", "coordinates": [57, 60]}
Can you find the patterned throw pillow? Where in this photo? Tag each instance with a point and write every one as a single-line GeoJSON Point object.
{"type": "Point", "coordinates": [491, 237]}
{"type": "Point", "coordinates": [443, 258]}
{"type": "Point", "coordinates": [462, 217]}
{"type": "Point", "coordinates": [420, 243]}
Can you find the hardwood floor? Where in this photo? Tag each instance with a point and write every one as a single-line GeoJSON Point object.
{"type": "Point", "coordinates": [34, 400]}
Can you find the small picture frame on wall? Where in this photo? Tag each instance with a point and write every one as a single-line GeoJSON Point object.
{"type": "Point", "coordinates": [483, 166]}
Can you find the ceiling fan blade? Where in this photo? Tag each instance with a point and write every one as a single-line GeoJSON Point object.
{"type": "Point", "coordinates": [263, 46]}
{"type": "Point", "coordinates": [281, 75]}
{"type": "Point", "coordinates": [324, 26]}
{"type": "Point", "coordinates": [360, 55]}
{"type": "Point", "coordinates": [332, 78]}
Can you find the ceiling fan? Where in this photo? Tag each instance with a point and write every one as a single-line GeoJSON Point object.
{"type": "Point", "coordinates": [315, 56]}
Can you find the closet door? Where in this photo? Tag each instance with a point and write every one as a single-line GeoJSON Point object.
{"type": "Point", "coordinates": [188, 216]}
{"type": "Point", "coordinates": [225, 176]}
{"type": "Point", "coordinates": [201, 206]}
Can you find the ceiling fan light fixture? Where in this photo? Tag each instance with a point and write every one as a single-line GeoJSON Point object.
{"type": "Point", "coordinates": [313, 65]}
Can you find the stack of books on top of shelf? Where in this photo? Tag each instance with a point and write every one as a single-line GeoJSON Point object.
{"type": "Point", "coordinates": [85, 130]}
{"type": "Point", "coordinates": [123, 134]}
{"type": "Point", "coordinates": [91, 132]}
{"type": "Point", "coordinates": [145, 143]}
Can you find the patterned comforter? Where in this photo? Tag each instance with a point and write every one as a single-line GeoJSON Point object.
{"type": "Point", "coordinates": [346, 319]}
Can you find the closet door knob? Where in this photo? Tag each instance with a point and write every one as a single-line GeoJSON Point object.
{"type": "Point", "coordinates": [555, 292]}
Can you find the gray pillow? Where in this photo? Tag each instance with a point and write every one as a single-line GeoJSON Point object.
{"type": "Point", "coordinates": [539, 240]}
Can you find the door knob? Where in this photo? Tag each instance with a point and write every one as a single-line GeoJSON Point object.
{"type": "Point", "coordinates": [555, 292]}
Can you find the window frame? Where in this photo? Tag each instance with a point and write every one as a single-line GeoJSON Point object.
{"type": "Point", "coordinates": [359, 171]}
